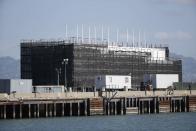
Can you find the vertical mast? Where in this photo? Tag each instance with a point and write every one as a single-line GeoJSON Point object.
{"type": "Point", "coordinates": [117, 35]}
{"type": "Point", "coordinates": [127, 36]}
{"type": "Point", "coordinates": [95, 34]}
{"type": "Point", "coordinates": [89, 34]}
{"type": "Point", "coordinates": [133, 37]}
{"type": "Point", "coordinates": [108, 36]}
{"type": "Point", "coordinates": [66, 31]}
{"type": "Point", "coordinates": [139, 38]}
{"type": "Point", "coordinates": [77, 33]}
{"type": "Point", "coordinates": [82, 33]}
{"type": "Point", "coordinates": [102, 33]}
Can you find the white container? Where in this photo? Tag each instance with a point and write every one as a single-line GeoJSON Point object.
{"type": "Point", "coordinates": [15, 85]}
{"type": "Point", "coordinates": [49, 89]}
{"type": "Point", "coordinates": [161, 81]}
{"type": "Point", "coordinates": [113, 82]}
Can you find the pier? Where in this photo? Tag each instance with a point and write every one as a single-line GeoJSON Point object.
{"type": "Point", "coordinates": [16, 106]}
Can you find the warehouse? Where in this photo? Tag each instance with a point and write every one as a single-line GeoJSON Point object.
{"type": "Point", "coordinates": [44, 62]}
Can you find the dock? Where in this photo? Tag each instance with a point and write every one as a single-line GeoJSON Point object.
{"type": "Point", "coordinates": [36, 105]}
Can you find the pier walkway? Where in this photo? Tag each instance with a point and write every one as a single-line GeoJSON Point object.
{"type": "Point", "coordinates": [34, 105]}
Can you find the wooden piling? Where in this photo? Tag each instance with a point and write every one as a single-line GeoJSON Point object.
{"type": "Point", "coordinates": [78, 108]}
{"type": "Point", "coordinates": [70, 109]}
{"type": "Point", "coordinates": [46, 105]}
{"type": "Point", "coordinates": [29, 110]}
{"type": "Point", "coordinates": [63, 109]}
{"type": "Point", "coordinates": [14, 111]}
{"type": "Point", "coordinates": [149, 107]}
{"type": "Point", "coordinates": [86, 109]}
{"type": "Point", "coordinates": [54, 109]}
{"type": "Point", "coordinates": [125, 109]}
{"type": "Point", "coordinates": [38, 110]}
{"type": "Point", "coordinates": [121, 106]}
{"type": "Point", "coordinates": [20, 110]}
{"type": "Point", "coordinates": [4, 111]}
{"type": "Point", "coordinates": [115, 107]}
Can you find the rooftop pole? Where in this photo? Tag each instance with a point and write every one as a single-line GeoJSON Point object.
{"type": "Point", "coordinates": [108, 36]}
{"type": "Point", "coordinates": [127, 35]}
{"type": "Point", "coordinates": [57, 76]}
{"type": "Point", "coordinates": [117, 35]}
{"type": "Point", "coordinates": [82, 33]}
{"type": "Point", "coordinates": [139, 38]}
{"type": "Point", "coordinates": [145, 38]}
{"type": "Point", "coordinates": [66, 31]}
{"type": "Point", "coordinates": [133, 37]}
{"type": "Point", "coordinates": [102, 33]}
{"type": "Point", "coordinates": [95, 33]}
{"type": "Point", "coordinates": [89, 34]}
{"type": "Point", "coordinates": [65, 62]}
{"type": "Point", "coordinates": [58, 70]}
{"type": "Point", "coordinates": [77, 33]}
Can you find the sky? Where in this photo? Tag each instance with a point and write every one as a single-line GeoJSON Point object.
{"type": "Point", "coordinates": [165, 22]}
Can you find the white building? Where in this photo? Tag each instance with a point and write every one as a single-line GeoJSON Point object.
{"type": "Point", "coordinates": [15, 85]}
{"type": "Point", "coordinates": [117, 82]}
{"type": "Point", "coordinates": [49, 89]}
{"type": "Point", "coordinates": [161, 81]}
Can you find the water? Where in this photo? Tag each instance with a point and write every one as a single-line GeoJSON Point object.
{"type": "Point", "coordinates": [153, 122]}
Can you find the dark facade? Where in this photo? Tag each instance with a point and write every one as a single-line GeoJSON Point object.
{"type": "Point", "coordinates": [39, 61]}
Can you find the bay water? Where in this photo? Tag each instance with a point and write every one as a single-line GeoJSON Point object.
{"type": "Point", "coordinates": [148, 122]}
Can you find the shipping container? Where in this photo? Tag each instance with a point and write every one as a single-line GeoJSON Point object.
{"type": "Point", "coordinates": [117, 82]}
{"type": "Point", "coordinates": [160, 81]}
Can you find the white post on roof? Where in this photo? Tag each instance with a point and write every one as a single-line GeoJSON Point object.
{"type": "Point", "coordinates": [127, 36]}
{"type": "Point", "coordinates": [95, 33]}
{"type": "Point", "coordinates": [77, 33]}
{"type": "Point", "coordinates": [66, 31]}
{"type": "Point", "coordinates": [102, 33]}
{"type": "Point", "coordinates": [133, 37]}
{"type": "Point", "coordinates": [117, 35]}
{"type": "Point", "coordinates": [108, 36]}
{"type": "Point", "coordinates": [82, 33]}
{"type": "Point", "coordinates": [144, 38]}
{"type": "Point", "coordinates": [139, 38]}
{"type": "Point", "coordinates": [89, 34]}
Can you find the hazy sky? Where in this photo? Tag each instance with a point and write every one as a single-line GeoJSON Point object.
{"type": "Point", "coordinates": [171, 22]}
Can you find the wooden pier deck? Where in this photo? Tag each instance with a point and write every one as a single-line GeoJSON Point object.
{"type": "Point", "coordinates": [90, 103]}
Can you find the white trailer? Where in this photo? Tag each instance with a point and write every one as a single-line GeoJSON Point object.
{"type": "Point", "coordinates": [49, 89]}
{"type": "Point", "coordinates": [116, 82]}
{"type": "Point", "coordinates": [161, 81]}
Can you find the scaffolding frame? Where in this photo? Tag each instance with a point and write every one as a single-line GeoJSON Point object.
{"type": "Point", "coordinates": [39, 59]}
